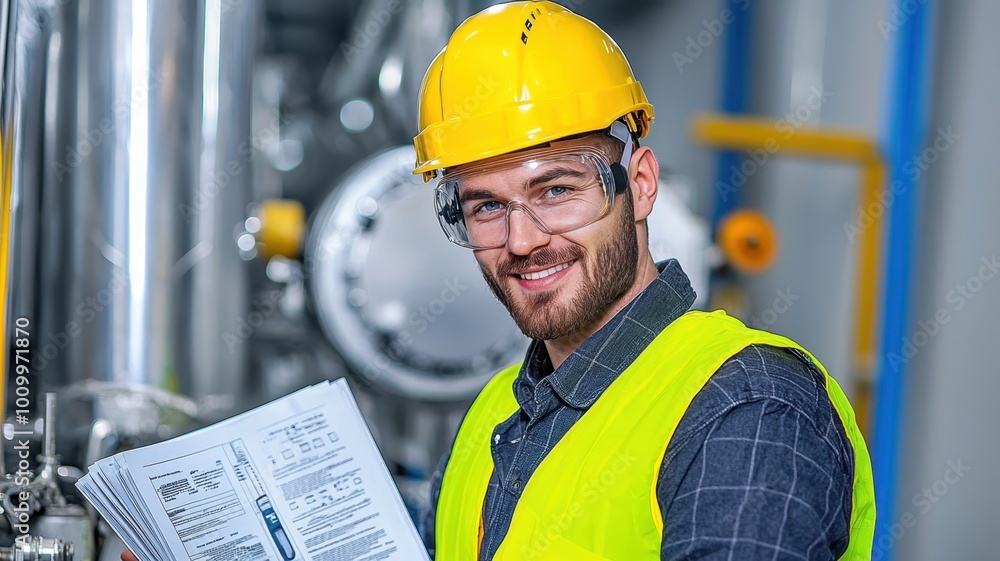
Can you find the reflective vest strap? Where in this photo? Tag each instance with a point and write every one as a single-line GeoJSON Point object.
{"type": "Point", "coordinates": [863, 500]}
{"type": "Point", "coordinates": [458, 522]}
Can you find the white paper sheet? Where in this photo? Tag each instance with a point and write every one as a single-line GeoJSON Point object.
{"type": "Point", "coordinates": [298, 478]}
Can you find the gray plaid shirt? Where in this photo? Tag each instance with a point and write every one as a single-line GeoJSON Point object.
{"type": "Point", "coordinates": [759, 467]}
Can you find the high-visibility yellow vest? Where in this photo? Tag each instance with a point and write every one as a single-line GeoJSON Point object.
{"type": "Point", "coordinates": [593, 498]}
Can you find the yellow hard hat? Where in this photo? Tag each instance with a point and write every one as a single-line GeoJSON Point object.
{"type": "Point", "coordinates": [521, 74]}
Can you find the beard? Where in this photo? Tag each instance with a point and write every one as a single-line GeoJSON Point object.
{"type": "Point", "coordinates": [541, 315]}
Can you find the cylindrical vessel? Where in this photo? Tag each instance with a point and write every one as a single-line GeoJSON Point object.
{"type": "Point", "coordinates": [131, 128]}
{"type": "Point", "coordinates": [26, 40]}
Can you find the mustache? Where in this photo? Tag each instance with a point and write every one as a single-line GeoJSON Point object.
{"type": "Point", "coordinates": [544, 256]}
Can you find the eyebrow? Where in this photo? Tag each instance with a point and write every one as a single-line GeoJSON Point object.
{"type": "Point", "coordinates": [547, 176]}
{"type": "Point", "coordinates": [552, 175]}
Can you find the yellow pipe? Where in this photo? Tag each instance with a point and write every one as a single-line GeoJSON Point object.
{"type": "Point", "coordinates": [872, 181]}
{"type": "Point", "coordinates": [786, 139]}
{"type": "Point", "coordinates": [748, 133]}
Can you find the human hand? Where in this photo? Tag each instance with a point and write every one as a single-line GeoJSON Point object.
{"type": "Point", "coordinates": [128, 556]}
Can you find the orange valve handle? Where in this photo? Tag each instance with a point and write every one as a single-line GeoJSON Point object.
{"type": "Point", "coordinates": [748, 240]}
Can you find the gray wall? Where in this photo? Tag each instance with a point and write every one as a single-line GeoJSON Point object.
{"type": "Point", "coordinates": [952, 413]}
{"type": "Point", "coordinates": [677, 93]}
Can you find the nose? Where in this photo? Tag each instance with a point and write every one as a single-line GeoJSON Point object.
{"type": "Point", "coordinates": [523, 234]}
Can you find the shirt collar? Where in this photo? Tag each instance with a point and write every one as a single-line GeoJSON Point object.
{"type": "Point", "coordinates": [599, 360]}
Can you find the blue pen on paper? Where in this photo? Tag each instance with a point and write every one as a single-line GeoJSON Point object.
{"type": "Point", "coordinates": [264, 503]}
{"type": "Point", "coordinates": [274, 526]}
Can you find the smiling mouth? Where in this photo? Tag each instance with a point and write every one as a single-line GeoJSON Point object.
{"type": "Point", "coordinates": [538, 275]}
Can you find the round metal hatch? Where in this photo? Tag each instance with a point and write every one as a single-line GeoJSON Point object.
{"type": "Point", "coordinates": [408, 310]}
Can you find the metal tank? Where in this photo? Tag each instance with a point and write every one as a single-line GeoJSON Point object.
{"type": "Point", "coordinates": [127, 154]}
{"type": "Point", "coordinates": [145, 179]}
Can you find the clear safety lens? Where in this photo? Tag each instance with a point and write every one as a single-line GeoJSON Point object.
{"type": "Point", "coordinates": [559, 190]}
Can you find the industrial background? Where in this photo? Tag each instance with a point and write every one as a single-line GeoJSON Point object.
{"type": "Point", "coordinates": [207, 204]}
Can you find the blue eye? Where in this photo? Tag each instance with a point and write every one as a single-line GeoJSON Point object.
{"type": "Point", "coordinates": [558, 191]}
{"type": "Point", "coordinates": [489, 206]}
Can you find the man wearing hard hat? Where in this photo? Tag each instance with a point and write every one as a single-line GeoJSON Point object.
{"type": "Point", "coordinates": [635, 429]}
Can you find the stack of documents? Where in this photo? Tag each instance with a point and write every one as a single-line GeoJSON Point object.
{"type": "Point", "coordinates": [298, 478]}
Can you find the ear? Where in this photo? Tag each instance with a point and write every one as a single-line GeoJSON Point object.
{"type": "Point", "coordinates": [644, 178]}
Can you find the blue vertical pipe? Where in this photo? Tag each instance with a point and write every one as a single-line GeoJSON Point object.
{"type": "Point", "coordinates": [908, 67]}
{"type": "Point", "coordinates": [735, 99]}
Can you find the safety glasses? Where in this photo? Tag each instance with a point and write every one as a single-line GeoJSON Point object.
{"type": "Point", "coordinates": [559, 189]}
